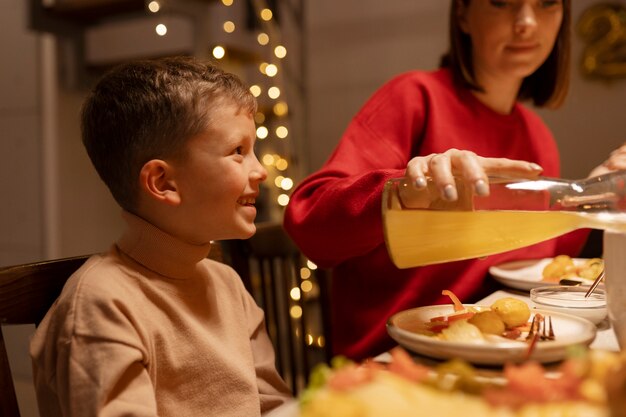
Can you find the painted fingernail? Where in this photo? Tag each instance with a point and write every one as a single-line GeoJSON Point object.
{"type": "Point", "coordinates": [420, 182]}
{"type": "Point", "coordinates": [481, 188]}
{"type": "Point", "coordinates": [449, 193]}
{"type": "Point", "coordinates": [535, 167]}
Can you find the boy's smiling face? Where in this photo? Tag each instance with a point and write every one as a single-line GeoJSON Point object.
{"type": "Point", "coordinates": [218, 179]}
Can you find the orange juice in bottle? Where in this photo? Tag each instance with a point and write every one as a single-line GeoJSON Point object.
{"type": "Point", "coordinates": [421, 228]}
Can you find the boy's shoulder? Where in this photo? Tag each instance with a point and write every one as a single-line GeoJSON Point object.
{"type": "Point", "coordinates": [224, 276]}
{"type": "Point", "coordinates": [98, 284]}
{"type": "Point", "coordinates": [110, 274]}
{"type": "Point", "coordinates": [109, 288]}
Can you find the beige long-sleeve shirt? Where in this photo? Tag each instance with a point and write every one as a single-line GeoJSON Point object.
{"type": "Point", "coordinates": [153, 328]}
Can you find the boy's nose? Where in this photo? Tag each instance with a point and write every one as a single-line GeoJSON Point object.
{"type": "Point", "coordinates": [259, 172]}
{"type": "Point", "coordinates": [525, 20]}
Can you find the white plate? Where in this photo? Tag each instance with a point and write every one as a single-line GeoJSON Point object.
{"type": "Point", "coordinates": [569, 330]}
{"type": "Point", "coordinates": [528, 274]}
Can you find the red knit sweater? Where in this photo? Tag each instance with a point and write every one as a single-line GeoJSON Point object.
{"type": "Point", "coordinates": [335, 214]}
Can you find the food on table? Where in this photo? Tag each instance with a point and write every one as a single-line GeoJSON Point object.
{"type": "Point", "coordinates": [462, 331]}
{"type": "Point", "coordinates": [488, 322]}
{"type": "Point", "coordinates": [507, 317]}
{"type": "Point", "coordinates": [563, 266]}
{"type": "Point", "coordinates": [591, 268]}
{"type": "Point", "coordinates": [576, 388]}
{"type": "Point", "coordinates": [512, 311]}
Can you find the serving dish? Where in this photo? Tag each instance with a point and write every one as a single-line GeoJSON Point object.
{"type": "Point", "coordinates": [569, 330]}
{"type": "Point", "coordinates": [571, 300]}
{"type": "Point", "coordinates": [528, 273]}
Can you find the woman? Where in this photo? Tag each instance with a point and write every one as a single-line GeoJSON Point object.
{"type": "Point", "coordinates": [501, 53]}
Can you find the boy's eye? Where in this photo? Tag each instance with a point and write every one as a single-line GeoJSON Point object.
{"type": "Point", "coordinates": [550, 3]}
{"type": "Point", "coordinates": [239, 150]}
{"type": "Point", "coordinates": [498, 3]}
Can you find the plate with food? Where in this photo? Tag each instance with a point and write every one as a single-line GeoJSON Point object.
{"type": "Point", "coordinates": [532, 273]}
{"type": "Point", "coordinates": [506, 331]}
{"type": "Point", "coordinates": [578, 387]}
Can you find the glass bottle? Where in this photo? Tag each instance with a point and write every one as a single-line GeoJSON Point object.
{"type": "Point", "coordinates": [421, 228]}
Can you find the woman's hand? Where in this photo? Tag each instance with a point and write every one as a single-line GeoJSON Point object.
{"type": "Point", "coordinates": [615, 161]}
{"type": "Point", "coordinates": [473, 169]}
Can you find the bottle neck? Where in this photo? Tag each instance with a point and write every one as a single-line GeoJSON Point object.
{"type": "Point", "coordinates": [597, 194]}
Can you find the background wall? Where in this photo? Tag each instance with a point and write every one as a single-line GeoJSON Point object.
{"type": "Point", "coordinates": [54, 204]}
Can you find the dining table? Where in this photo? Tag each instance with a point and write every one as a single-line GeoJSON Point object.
{"type": "Point", "coordinates": [605, 339]}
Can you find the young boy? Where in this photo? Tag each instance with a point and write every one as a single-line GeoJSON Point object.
{"type": "Point", "coordinates": [153, 327]}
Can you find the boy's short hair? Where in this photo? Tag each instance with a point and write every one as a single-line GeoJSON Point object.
{"type": "Point", "coordinates": [147, 110]}
{"type": "Point", "coordinates": [546, 87]}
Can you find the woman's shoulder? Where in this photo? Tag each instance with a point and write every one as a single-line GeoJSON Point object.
{"type": "Point", "coordinates": [530, 116]}
{"type": "Point", "coordinates": [439, 78]}
{"type": "Point", "coordinates": [410, 90]}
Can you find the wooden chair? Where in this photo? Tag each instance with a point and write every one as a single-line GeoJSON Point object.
{"type": "Point", "coordinates": [294, 296]}
{"type": "Point", "coordinates": [26, 293]}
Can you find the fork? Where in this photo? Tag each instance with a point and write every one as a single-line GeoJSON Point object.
{"type": "Point", "coordinates": [539, 331]}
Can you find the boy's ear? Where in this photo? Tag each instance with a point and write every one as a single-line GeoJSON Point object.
{"type": "Point", "coordinates": [157, 181]}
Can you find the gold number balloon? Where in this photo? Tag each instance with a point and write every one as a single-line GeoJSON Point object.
{"type": "Point", "coordinates": [603, 28]}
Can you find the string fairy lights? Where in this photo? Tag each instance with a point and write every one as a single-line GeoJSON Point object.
{"type": "Point", "coordinates": [273, 134]}
{"type": "Point", "coordinates": [272, 120]}
{"type": "Point", "coordinates": [154, 7]}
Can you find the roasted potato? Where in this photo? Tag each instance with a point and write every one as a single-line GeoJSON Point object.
{"type": "Point", "coordinates": [562, 266]}
{"type": "Point", "coordinates": [591, 268]}
{"type": "Point", "coordinates": [512, 312]}
{"type": "Point", "coordinates": [488, 322]}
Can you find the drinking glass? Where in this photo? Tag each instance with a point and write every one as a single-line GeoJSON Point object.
{"type": "Point", "coordinates": [615, 282]}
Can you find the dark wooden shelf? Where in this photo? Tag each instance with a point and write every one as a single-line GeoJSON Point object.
{"type": "Point", "coordinates": [86, 12]}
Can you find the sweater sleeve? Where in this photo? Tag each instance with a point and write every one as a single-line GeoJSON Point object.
{"type": "Point", "coordinates": [97, 360]}
{"type": "Point", "coordinates": [273, 391]}
{"type": "Point", "coordinates": [335, 214]}
{"type": "Point", "coordinates": [104, 378]}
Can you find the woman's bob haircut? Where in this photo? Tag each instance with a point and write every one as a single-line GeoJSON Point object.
{"type": "Point", "coordinates": [546, 87]}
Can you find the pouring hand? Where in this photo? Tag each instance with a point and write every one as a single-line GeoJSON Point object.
{"type": "Point", "coordinates": [615, 161]}
{"type": "Point", "coordinates": [472, 168]}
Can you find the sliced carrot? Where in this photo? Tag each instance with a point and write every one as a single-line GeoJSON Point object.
{"type": "Point", "coordinates": [452, 317]}
{"type": "Point", "coordinates": [458, 306]}
{"type": "Point", "coordinates": [438, 323]}
{"type": "Point", "coordinates": [461, 316]}
{"type": "Point", "coordinates": [512, 333]}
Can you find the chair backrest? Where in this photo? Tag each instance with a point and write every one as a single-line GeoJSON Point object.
{"type": "Point", "coordinates": [26, 293]}
{"type": "Point", "coordinates": [294, 295]}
